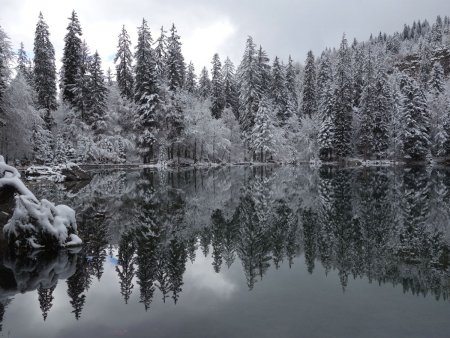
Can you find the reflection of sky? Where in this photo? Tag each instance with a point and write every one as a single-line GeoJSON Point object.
{"type": "Point", "coordinates": [286, 303]}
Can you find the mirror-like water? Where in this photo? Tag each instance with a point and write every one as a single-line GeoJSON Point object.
{"type": "Point", "coordinates": [245, 252]}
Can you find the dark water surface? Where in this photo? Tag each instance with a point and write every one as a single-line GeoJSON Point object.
{"type": "Point", "coordinates": [242, 252]}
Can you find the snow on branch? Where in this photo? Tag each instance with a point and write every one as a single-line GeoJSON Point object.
{"type": "Point", "coordinates": [36, 224]}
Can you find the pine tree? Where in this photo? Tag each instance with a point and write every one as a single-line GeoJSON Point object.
{"type": "Point", "coordinates": [436, 83]}
{"type": "Point", "coordinates": [146, 93]}
{"type": "Point", "coordinates": [264, 70]}
{"type": "Point", "coordinates": [291, 87]}
{"type": "Point", "coordinates": [230, 92]}
{"type": "Point", "coordinates": [278, 91]}
{"type": "Point", "coordinates": [358, 72]}
{"type": "Point", "coordinates": [161, 56]}
{"type": "Point", "coordinates": [261, 137]}
{"type": "Point", "coordinates": [204, 84]}
{"type": "Point", "coordinates": [250, 87]}
{"type": "Point", "coordinates": [97, 94]}
{"type": "Point", "coordinates": [109, 77]}
{"type": "Point", "coordinates": [175, 61]}
{"type": "Point", "coordinates": [217, 104]}
{"type": "Point", "coordinates": [309, 87]}
{"type": "Point", "coordinates": [416, 121]}
{"type": "Point", "coordinates": [326, 108]}
{"type": "Point", "coordinates": [80, 87]}
{"type": "Point", "coordinates": [124, 68]}
{"type": "Point", "coordinates": [343, 102]}
{"type": "Point", "coordinates": [71, 61]}
{"type": "Point", "coordinates": [384, 104]}
{"type": "Point", "coordinates": [24, 65]}
{"type": "Point", "coordinates": [44, 71]}
{"type": "Point", "coordinates": [191, 79]}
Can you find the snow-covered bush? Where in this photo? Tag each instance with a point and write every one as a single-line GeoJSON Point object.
{"type": "Point", "coordinates": [36, 224]}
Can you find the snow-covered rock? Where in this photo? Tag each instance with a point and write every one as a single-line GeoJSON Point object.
{"type": "Point", "coordinates": [36, 224]}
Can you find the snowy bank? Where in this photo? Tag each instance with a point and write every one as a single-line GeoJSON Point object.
{"type": "Point", "coordinates": [36, 224]}
{"type": "Point", "coordinates": [59, 173]}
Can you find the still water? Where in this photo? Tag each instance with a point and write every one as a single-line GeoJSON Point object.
{"type": "Point", "coordinates": [242, 252]}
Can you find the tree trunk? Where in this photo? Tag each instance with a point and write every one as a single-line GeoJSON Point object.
{"type": "Point", "coordinates": [195, 151]}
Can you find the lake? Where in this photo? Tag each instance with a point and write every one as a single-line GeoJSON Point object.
{"type": "Point", "coordinates": [241, 252]}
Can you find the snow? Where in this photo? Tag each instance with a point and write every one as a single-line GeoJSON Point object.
{"type": "Point", "coordinates": [33, 220]}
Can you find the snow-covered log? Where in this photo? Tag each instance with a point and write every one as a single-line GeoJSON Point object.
{"type": "Point", "coordinates": [36, 224]}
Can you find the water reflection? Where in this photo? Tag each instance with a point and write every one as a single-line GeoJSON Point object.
{"type": "Point", "coordinates": [389, 226]}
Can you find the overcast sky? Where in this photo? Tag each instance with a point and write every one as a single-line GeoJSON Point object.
{"type": "Point", "coordinates": [282, 27]}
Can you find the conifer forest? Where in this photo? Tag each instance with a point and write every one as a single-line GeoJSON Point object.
{"type": "Point", "coordinates": [386, 98]}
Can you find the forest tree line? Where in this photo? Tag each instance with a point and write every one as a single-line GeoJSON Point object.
{"type": "Point", "coordinates": [356, 101]}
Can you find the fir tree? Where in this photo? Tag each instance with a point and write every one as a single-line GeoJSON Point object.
{"type": "Point", "coordinates": [97, 94]}
{"type": "Point", "coordinates": [71, 61]}
{"type": "Point", "coordinates": [109, 77]}
{"type": "Point", "coordinates": [146, 93]}
{"type": "Point", "coordinates": [175, 61]}
{"type": "Point", "coordinates": [261, 137]}
{"type": "Point", "coordinates": [416, 121]}
{"type": "Point", "coordinates": [230, 92]}
{"type": "Point", "coordinates": [278, 91]}
{"type": "Point", "coordinates": [204, 84]}
{"type": "Point", "coordinates": [24, 65]}
{"type": "Point", "coordinates": [326, 109]}
{"type": "Point", "coordinates": [264, 70]}
{"type": "Point", "coordinates": [383, 109]}
{"type": "Point", "coordinates": [291, 87]}
{"type": "Point", "coordinates": [124, 68]}
{"type": "Point", "coordinates": [217, 104]}
{"type": "Point", "coordinates": [44, 71]}
{"type": "Point", "coordinates": [191, 79]}
{"type": "Point", "coordinates": [80, 87]}
{"type": "Point", "coordinates": [358, 66]}
{"type": "Point", "coordinates": [343, 102]}
{"type": "Point", "coordinates": [309, 87]}
{"type": "Point", "coordinates": [436, 83]}
{"type": "Point", "coordinates": [161, 56]}
{"type": "Point", "coordinates": [249, 79]}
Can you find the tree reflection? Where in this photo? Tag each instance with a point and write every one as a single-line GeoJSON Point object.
{"type": "Point", "coordinates": [389, 226]}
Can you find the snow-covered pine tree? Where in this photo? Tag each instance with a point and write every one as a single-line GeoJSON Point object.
{"type": "Point", "coordinates": [161, 56]}
{"type": "Point", "coordinates": [217, 99]}
{"type": "Point", "coordinates": [416, 121]}
{"type": "Point", "coordinates": [261, 137]}
{"type": "Point", "coordinates": [309, 106]}
{"type": "Point", "coordinates": [80, 87]}
{"type": "Point", "coordinates": [358, 66]}
{"type": "Point", "coordinates": [436, 84]}
{"type": "Point", "coordinates": [24, 64]}
{"type": "Point", "coordinates": [175, 61]}
{"type": "Point", "coordinates": [146, 93]}
{"type": "Point", "coordinates": [124, 67]}
{"type": "Point", "coordinates": [6, 56]}
{"type": "Point", "coordinates": [250, 86]}
{"type": "Point", "coordinates": [97, 95]}
{"type": "Point", "coordinates": [278, 92]}
{"type": "Point", "coordinates": [439, 112]}
{"type": "Point", "coordinates": [44, 71]}
{"type": "Point", "coordinates": [71, 61]}
{"type": "Point", "coordinates": [326, 108]}
{"type": "Point", "coordinates": [204, 84]}
{"type": "Point", "coordinates": [264, 70]}
{"type": "Point", "coordinates": [343, 97]}
{"type": "Point", "coordinates": [191, 79]}
{"type": "Point", "coordinates": [366, 112]}
{"type": "Point", "coordinates": [436, 32]}
{"type": "Point", "coordinates": [426, 64]}
{"type": "Point", "coordinates": [384, 109]}
{"type": "Point", "coordinates": [291, 87]}
{"type": "Point", "coordinates": [109, 77]}
{"type": "Point", "coordinates": [230, 92]}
